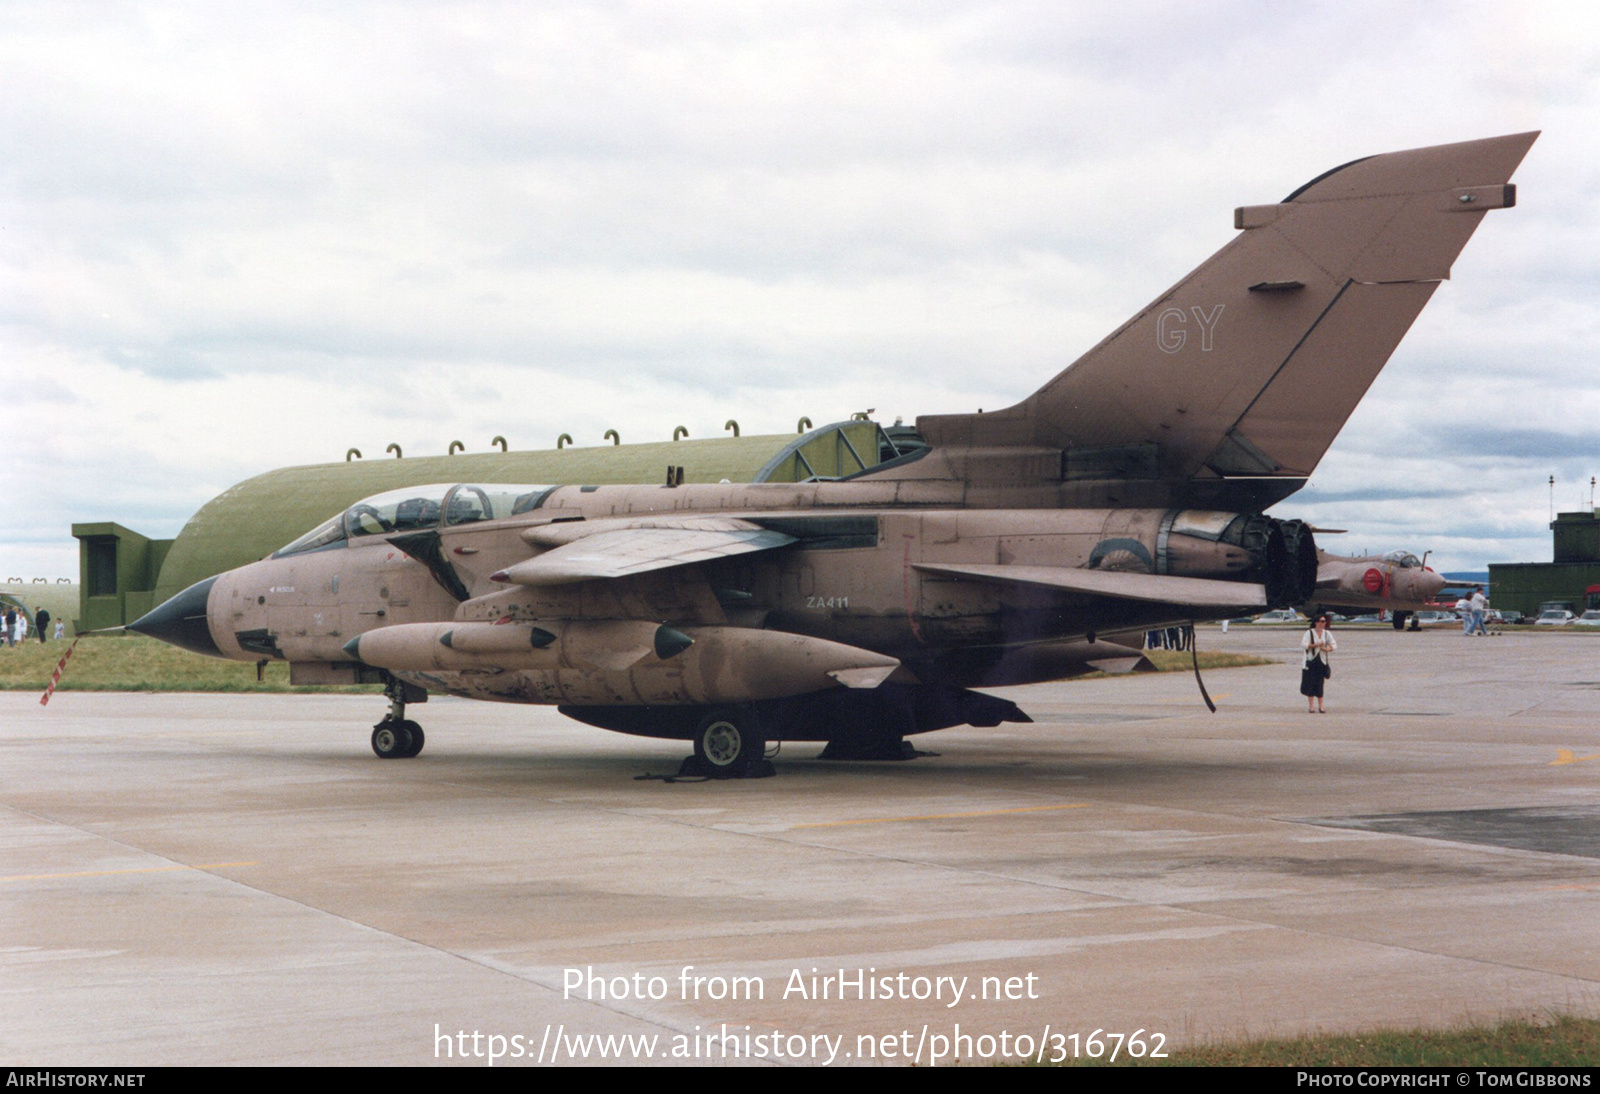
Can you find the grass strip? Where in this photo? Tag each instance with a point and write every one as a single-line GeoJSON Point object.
{"type": "Point", "coordinates": [137, 663]}
{"type": "Point", "coordinates": [1561, 1042]}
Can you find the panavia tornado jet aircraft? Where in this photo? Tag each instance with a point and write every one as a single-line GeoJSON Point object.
{"type": "Point", "coordinates": [1023, 545]}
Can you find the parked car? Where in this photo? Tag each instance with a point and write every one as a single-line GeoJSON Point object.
{"type": "Point", "coordinates": [1588, 619]}
{"type": "Point", "coordinates": [1555, 617]}
{"type": "Point", "coordinates": [1284, 615]}
{"type": "Point", "coordinates": [1433, 619]}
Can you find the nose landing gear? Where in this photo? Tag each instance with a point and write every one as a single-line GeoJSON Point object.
{"type": "Point", "coordinates": [396, 737]}
{"type": "Point", "coordinates": [393, 740]}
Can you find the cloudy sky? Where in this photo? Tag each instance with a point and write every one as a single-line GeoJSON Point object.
{"type": "Point", "coordinates": [235, 237]}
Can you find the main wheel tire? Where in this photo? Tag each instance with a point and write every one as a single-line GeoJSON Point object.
{"type": "Point", "coordinates": [417, 739]}
{"type": "Point", "coordinates": [727, 741]}
{"type": "Point", "coordinates": [392, 740]}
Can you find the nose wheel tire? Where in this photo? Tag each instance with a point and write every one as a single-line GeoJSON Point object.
{"type": "Point", "coordinates": [397, 740]}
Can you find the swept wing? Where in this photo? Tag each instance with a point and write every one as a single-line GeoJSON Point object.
{"type": "Point", "coordinates": [585, 554]}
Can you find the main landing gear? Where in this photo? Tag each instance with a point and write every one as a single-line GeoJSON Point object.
{"type": "Point", "coordinates": [728, 744]}
{"type": "Point", "coordinates": [396, 738]}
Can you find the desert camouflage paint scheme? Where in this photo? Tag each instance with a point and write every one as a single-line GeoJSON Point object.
{"type": "Point", "coordinates": [1028, 544]}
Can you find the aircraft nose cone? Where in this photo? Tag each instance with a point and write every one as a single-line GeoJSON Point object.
{"type": "Point", "coordinates": [181, 621]}
{"type": "Point", "coordinates": [1429, 585]}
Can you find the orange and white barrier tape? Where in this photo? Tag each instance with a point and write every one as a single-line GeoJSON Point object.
{"type": "Point", "coordinates": [55, 677]}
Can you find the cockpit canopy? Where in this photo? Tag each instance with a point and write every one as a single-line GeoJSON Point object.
{"type": "Point", "coordinates": [1404, 559]}
{"type": "Point", "coordinates": [417, 509]}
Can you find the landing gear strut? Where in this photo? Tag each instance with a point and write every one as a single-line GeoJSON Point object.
{"type": "Point", "coordinates": [396, 738]}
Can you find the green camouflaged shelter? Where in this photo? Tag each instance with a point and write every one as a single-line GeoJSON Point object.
{"type": "Point", "coordinates": [59, 598]}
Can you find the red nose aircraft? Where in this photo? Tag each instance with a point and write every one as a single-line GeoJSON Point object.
{"type": "Point", "coordinates": [1395, 582]}
{"type": "Point", "coordinates": [1023, 545]}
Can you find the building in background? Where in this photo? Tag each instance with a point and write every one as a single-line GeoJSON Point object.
{"type": "Point", "coordinates": [59, 598]}
{"type": "Point", "coordinates": [1573, 576]}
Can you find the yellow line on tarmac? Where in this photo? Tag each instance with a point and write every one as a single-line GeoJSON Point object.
{"type": "Point", "coordinates": [138, 870]}
{"type": "Point", "coordinates": [942, 816]}
{"type": "Point", "coordinates": [1565, 756]}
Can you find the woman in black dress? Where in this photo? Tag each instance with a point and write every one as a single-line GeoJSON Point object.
{"type": "Point", "coordinates": [1318, 644]}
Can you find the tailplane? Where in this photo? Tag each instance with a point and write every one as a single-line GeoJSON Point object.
{"type": "Point", "coordinates": [1230, 386]}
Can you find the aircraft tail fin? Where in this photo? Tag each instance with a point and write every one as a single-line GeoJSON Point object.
{"type": "Point", "coordinates": [1248, 368]}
